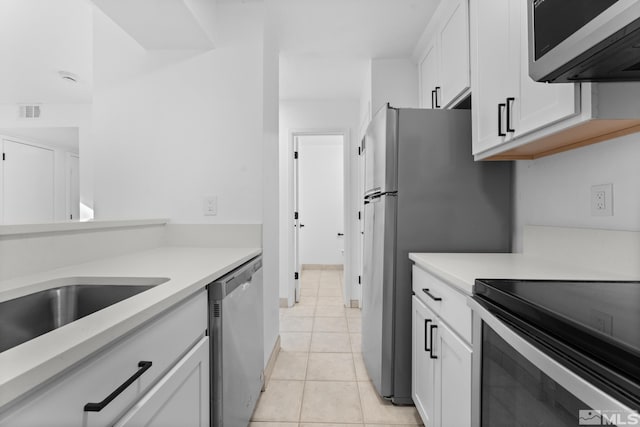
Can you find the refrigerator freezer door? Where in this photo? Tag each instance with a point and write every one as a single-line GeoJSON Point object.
{"type": "Point", "coordinates": [381, 153]}
{"type": "Point", "coordinates": [378, 291]}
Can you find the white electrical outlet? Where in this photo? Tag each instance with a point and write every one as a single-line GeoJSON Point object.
{"type": "Point", "coordinates": [602, 200]}
{"type": "Point", "coordinates": [210, 206]}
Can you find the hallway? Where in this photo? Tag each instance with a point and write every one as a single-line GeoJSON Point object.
{"type": "Point", "coordinates": [319, 377]}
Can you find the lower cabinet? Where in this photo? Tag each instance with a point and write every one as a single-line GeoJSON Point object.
{"type": "Point", "coordinates": [157, 375]}
{"type": "Point", "coordinates": [181, 397]}
{"type": "Point", "coordinates": [441, 371]}
{"type": "Point", "coordinates": [441, 359]}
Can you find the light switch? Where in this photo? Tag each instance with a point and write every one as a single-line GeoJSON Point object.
{"type": "Point", "coordinates": [210, 206]}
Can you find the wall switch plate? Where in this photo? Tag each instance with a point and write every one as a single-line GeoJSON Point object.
{"type": "Point", "coordinates": [210, 206]}
{"type": "Point", "coordinates": [602, 200]}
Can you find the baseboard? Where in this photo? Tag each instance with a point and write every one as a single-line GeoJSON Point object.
{"type": "Point", "coordinates": [322, 267]}
{"type": "Point", "coordinates": [268, 370]}
{"type": "Point", "coordinates": [355, 303]}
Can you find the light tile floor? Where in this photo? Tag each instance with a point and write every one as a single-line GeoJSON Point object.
{"type": "Point", "coordinates": [319, 379]}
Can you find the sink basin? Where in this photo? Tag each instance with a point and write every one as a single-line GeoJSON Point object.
{"type": "Point", "coordinates": [29, 316]}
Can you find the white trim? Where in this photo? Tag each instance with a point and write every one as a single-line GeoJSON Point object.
{"type": "Point", "coordinates": [347, 207]}
{"type": "Point", "coordinates": [17, 229]}
{"type": "Point", "coordinates": [67, 183]}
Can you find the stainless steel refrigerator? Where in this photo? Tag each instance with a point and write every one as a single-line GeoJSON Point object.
{"type": "Point", "coordinates": [423, 193]}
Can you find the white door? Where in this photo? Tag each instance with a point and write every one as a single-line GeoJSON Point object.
{"type": "Point", "coordinates": [73, 187]}
{"type": "Point", "coordinates": [27, 183]}
{"type": "Point", "coordinates": [181, 397]}
{"type": "Point", "coordinates": [296, 220]}
{"type": "Point", "coordinates": [321, 199]}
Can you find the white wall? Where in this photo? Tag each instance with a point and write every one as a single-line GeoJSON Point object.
{"type": "Point", "coordinates": [62, 115]}
{"type": "Point", "coordinates": [556, 190]}
{"type": "Point", "coordinates": [394, 81]}
{"type": "Point", "coordinates": [171, 127]}
{"type": "Point", "coordinates": [321, 199]}
{"type": "Point", "coordinates": [60, 167]}
{"type": "Point", "coordinates": [318, 116]}
{"type": "Point", "coordinates": [270, 185]}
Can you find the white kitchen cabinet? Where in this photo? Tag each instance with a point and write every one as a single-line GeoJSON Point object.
{"type": "Point", "coordinates": [453, 377]}
{"type": "Point", "coordinates": [163, 341]}
{"type": "Point", "coordinates": [441, 350]}
{"type": "Point", "coordinates": [507, 103]}
{"type": "Point", "coordinates": [422, 365]}
{"type": "Point", "coordinates": [514, 117]}
{"type": "Point", "coordinates": [444, 56]}
{"type": "Point", "coordinates": [181, 397]}
{"type": "Point", "coordinates": [429, 74]}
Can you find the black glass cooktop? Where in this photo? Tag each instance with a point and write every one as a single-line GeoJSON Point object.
{"type": "Point", "coordinates": [597, 321]}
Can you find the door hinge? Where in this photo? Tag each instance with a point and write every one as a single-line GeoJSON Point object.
{"type": "Point", "coordinates": [295, 154]}
{"type": "Point", "coordinates": [295, 276]}
{"type": "Point", "coordinates": [295, 215]}
{"type": "Point", "coordinates": [359, 280]}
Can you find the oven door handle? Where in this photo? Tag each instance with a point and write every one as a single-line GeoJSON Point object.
{"type": "Point", "coordinates": [573, 383]}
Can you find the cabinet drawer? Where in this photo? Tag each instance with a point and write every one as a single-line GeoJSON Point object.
{"type": "Point", "coordinates": [451, 308]}
{"type": "Point", "coordinates": [162, 341]}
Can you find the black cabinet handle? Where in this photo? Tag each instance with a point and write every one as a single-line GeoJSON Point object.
{"type": "Point", "coordinates": [426, 335]}
{"type": "Point", "coordinates": [501, 108]}
{"type": "Point", "coordinates": [433, 101]}
{"type": "Point", "coordinates": [509, 114]}
{"type": "Point", "coordinates": [433, 297]}
{"type": "Point", "coordinates": [97, 407]}
{"type": "Point", "coordinates": [340, 234]}
{"type": "Point", "coordinates": [431, 355]}
{"type": "Point", "coordinates": [437, 93]}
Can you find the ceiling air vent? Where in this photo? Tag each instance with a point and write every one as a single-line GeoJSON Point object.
{"type": "Point", "coordinates": [30, 111]}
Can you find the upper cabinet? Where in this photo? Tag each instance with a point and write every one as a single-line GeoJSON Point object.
{"type": "Point", "coordinates": [443, 56]}
{"type": "Point", "coordinates": [515, 117]}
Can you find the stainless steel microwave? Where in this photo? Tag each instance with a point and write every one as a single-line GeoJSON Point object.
{"type": "Point", "coordinates": [584, 40]}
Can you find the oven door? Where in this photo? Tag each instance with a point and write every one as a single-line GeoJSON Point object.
{"type": "Point", "coordinates": [516, 384]}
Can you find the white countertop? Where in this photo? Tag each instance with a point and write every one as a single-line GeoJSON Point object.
{"type": "Point", "coordinates": [462, 269]}
{"type": "Point", "coordinates": [189, 270]}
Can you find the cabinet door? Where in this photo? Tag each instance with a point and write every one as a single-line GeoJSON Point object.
{"type": "Point", "coordinates": [429, 74]}
{"type": "Point", "coordinates": [181, 397]}
{"type": "Point", "coordinates": [422, 365]}
{"type": "Point", "coordinates": [453, 378]}
{"type": "Point", "coordinates": [454, 52]}
{"type": "Point", "coordinates": [494, 75]}
{"type": "Point", "coordinates": [540, 104]}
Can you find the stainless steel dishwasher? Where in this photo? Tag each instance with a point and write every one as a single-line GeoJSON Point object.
{"type": "Point", "coordinates": [236, 337]}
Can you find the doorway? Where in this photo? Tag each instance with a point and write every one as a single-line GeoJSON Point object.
{"type": "Point", "coordinates": [320, 238]}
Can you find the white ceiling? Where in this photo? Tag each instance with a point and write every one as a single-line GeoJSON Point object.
{"type": "Point", "coordinates": [326, 44]}
{"type": "Point", "coordinates": [38, 38]}
{"type": "Point", "coordinates": [65, 138]}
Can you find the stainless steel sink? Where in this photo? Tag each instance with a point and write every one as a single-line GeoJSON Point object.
{"type": "Point", "coordinates": [29, 316]}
